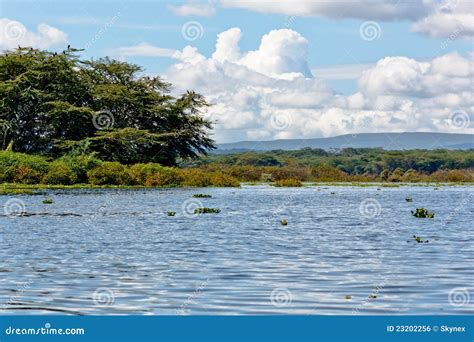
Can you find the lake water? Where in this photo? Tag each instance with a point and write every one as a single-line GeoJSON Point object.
{"type": "Point", "coordinates": [345, 250]}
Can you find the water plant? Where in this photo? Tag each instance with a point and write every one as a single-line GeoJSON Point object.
{"type": "Point", "coordinates": [207, 211]}
{"type": "Point", "coordinates": [409, 199]}
{"type": "Point", "coordinates": [202, 196]}
{"type": "Point", "coordinates": [372, 296]}
{"type": "Point", "coordinates": [48, 201]}
{"type": "Point", "coordinates": [419, 239]}
{"type": "Point", "coordinates": [422, 213]}
{"type": "Point", "coordinates": [284, 222]}
{"type": "Point", "coordinates": [347, 297]}
{"type": "Point", "coordinates": [171, 213]}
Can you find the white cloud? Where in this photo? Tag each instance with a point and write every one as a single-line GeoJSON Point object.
{"type": "Point", "coordinates": [193, 9]}
{"type": "Point", "coordinates": [14, 33]}
{"type": "Point", "coordinates": [144, 50]}
{"type": "Point", "coordinates": [453, 19]}
{"type": "Point", "coordinates": [269, 94]}
{"type": "Point", "coordinates": [362, 9]}
{"type": "Point", "coordinates": [341, 72]}
{"type": "Point", "coordinates": [436, 18]}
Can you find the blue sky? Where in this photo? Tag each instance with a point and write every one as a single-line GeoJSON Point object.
{"type": "Point", "coordinates": [336, 52]}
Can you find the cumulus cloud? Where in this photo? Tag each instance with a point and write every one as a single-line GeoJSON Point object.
{"type": "Point", "coordinates": [269, 93]}
{"type": "Point", "coordinates": [193, 9]}
{"type": "Point", "coordinates": [14, 33]}
{"type": "Point", "coordinates": [453, 18]}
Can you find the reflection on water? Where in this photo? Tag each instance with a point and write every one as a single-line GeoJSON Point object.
{"type": "Point", "coordinates": [350, 252]}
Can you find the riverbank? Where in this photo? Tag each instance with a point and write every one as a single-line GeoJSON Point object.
{"type": "Point", "coordinates": [42, 189]}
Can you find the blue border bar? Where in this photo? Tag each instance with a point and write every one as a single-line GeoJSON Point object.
{"type": "Point", "coordinates": [241, 328]}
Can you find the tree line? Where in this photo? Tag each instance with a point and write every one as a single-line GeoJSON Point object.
{"type": "Point", "coordinates": [54, 103]}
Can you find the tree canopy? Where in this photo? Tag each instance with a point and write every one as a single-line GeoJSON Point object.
{"type": "Point", "coordinates": [52, 103]}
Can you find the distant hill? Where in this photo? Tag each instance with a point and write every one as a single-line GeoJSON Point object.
{"type": "Point", "coordinates": [387, 141]}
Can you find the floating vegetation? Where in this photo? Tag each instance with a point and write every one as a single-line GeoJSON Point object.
{"type": "Point", "coordinates": [347, 297]}
{"type": "Point", "coordinates": [284, 222]}
{"type": "Point", "coordinates": [409, 199]}
{"type": "Point", "coordinates": [202, 196]}
{"type": "Point", "coordinates": [372, 296]}
{"type": "Point", "coordinates": [435, 188]}
{"type": "Point", "coordinates": [48, 201]}
{"type": "Point", "coordinates": [171, 213]}
{"type": "Point", "coordinates": [207, 211]}
{"type": "Point", "coordinates": [422, 213]}
{"type": "Point", "coordinates": [419, 239]}
{"type": "Point", "coordinates": [333, 193]}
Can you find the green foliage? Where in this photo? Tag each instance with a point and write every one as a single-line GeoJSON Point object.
{"type": "Point", "coordinates": [361, 164]}
{"type": "Point", "coordinates": [109, 173]}
{"type": "Point", "coordinates": [289, 182]}
{"type": "Point", "coordinates": [284, 222]}
{"type": "Point", "coordinates": [51, 103]}
{"type": "Point", "coordinates": [22, 168]}
{"type": "Point", "coordinates": [422, 213]}
{"type": "Point", "coordinates": [222, 180]}
{"type": "Point", "coordinates": [59, 173]}
{"type": "Point", "coordinates": [171, 213]}
{"type": "Point", "coordinates": [202, 196]}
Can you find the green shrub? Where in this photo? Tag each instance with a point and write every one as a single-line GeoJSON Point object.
{"type": "Point", "coordinates": [140, 172]}
{"type": "Point", "coordinates": [167, 177]}
{"type": "Point", "coordinates": [221, 180]}
{"type": "Point", "coordinates": [196, 178]}
{"type": "Point", "coordinates": [22, 168]}
{"type": "Point", "coordinates": [289, 182]}
{"type": "Point", "coordinates": [80, 164]}
{"type": "Point", "coordinates": [59, 173]}
{"type": "Point", "coordinates": [109, 173]}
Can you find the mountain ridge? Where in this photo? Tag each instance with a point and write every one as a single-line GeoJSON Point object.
{"type": "Point", "coordinates": [387, 141]}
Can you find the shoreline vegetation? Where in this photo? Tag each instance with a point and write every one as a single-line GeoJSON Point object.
{"type": "Point", "coordinates": [68, 123]}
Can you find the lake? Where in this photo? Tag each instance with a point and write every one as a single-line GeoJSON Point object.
{"type": "Point", "coordinates": [345, 250]}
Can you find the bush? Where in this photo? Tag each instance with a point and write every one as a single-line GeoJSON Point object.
{"type": "Point", "coordinates": [60, 173]}
{"type": "Point", "coordinates": [196, 178]}
{"type": "Point", "coordinates": [80, 164]}
{"type": "Point", "coordinates": [222, 180]}
{"type": "Point", "coordinates": [26, 175]}
{"type": "Point", "coordinates": [140, 172]}
{"type": "Point", "coordinates": [326, 173]}
{"type": "Point", "coordinates": [22, 168]}
{"type": "Point", "coordinates": [166, 177]}
{"type": "Point", "coordinates": [109, 173]}
{"type": "Point", "coordinates": [289, 182]}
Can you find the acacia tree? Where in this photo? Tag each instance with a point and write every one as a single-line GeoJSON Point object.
{"type": "Point", "coordinates": [51, 103]}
